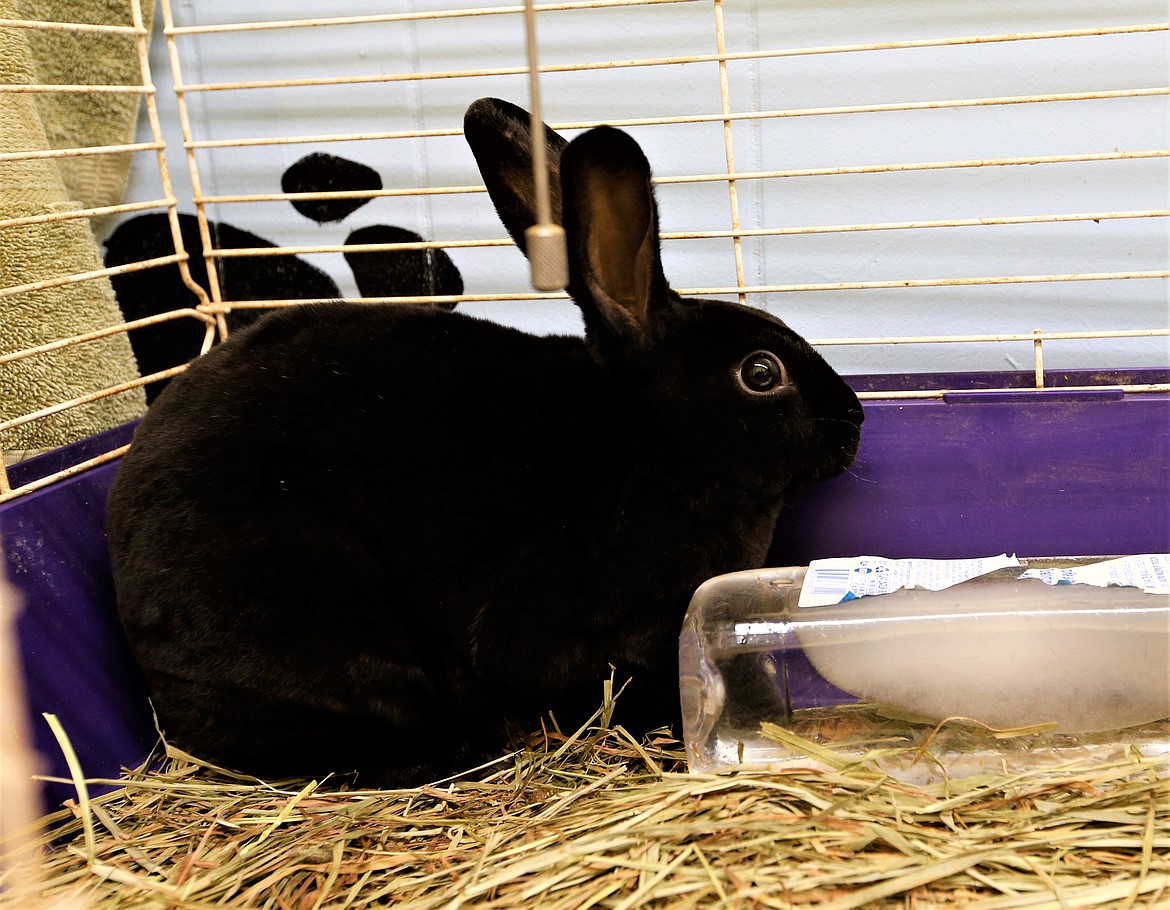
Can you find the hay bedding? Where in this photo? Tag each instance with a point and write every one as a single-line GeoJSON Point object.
{"type": "Point", "coordinates": [597, 819]}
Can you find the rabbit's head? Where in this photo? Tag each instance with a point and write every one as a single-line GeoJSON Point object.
{"type": "Point", "coordinates": [716, 387]}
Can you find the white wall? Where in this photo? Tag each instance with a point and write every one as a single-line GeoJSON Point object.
{"type": "Point", "coordinates": [800, 82]}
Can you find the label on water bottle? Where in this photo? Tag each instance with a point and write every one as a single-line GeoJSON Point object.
{"type": "Point", "coordinates": [830, 581]}
{"type": "Point", "coordinates": [1149, 572]}
{"type": "Point", "coordinates": [833, 581]}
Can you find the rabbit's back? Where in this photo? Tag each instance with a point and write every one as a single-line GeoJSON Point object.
{"type": "Point", "coordinates": [380, 421]}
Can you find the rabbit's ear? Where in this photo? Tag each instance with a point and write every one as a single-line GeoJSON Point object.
{"type": "Point", "coordinates": [499, 134]}
{"type": "Point", "coordinates": [612, 225]}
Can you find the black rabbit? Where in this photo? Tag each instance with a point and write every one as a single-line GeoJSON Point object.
{"type": "Point", "coordinates": [369, 536]}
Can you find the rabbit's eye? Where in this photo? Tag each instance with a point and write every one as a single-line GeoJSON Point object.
{"type": "Point", "coordinates": [761, 372]}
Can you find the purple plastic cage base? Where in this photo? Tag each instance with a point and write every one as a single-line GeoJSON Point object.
{"type": "Point", "coordinates": [972, 473]}
{"type": "Point", "coordinates": [74, 659]}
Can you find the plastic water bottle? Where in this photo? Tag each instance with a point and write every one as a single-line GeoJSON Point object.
{"type": "Point", "coordinates": [926, 668]}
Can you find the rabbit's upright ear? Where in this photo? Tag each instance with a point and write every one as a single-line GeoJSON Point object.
{"type": "Point", "coordinates": [500, 137]}
{"type": "Point", "coordinates": [611, 220]}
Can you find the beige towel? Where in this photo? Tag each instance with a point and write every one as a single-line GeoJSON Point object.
{"type": "Point", "coordinates": [42, 251]}
{"type": "Point", "coordinates": [73, 120]}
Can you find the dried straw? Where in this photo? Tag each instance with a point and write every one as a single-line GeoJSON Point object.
{"type": "Point", "coordinates": [599, 819]}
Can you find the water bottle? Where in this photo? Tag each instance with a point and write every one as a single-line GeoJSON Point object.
{"type": "Point", "coordinates": [929, 668]}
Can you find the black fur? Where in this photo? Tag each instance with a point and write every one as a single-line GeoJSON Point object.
{"type": "Point", "coordinates": [149, 292]}
{"type": "Point", "coordinates": [367, 536]}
